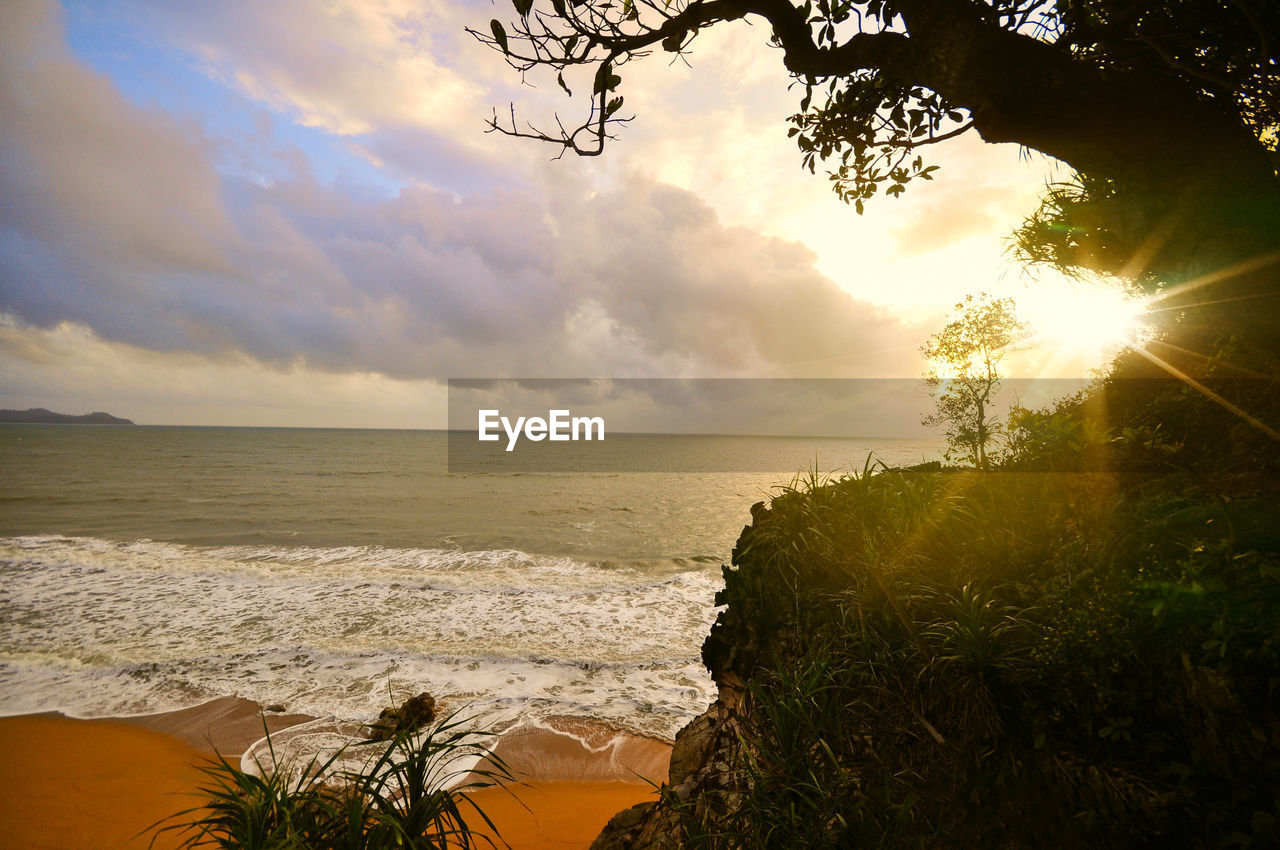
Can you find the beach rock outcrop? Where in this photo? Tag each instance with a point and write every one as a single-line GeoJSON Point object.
{"type": "Point", "coordinates": [700, 781]}
{"type": "Point", "coordinates": [699, 761]}
{"type": "Point", "coordinates": [412, 715]}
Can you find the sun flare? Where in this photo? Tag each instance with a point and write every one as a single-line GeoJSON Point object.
{"type": "Point", "coordinates": [1084, 322]}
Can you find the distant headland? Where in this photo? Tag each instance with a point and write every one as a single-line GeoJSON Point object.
{"type": "Point", "coordinates": [41, 415]}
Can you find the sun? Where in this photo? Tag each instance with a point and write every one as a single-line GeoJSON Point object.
{"type": "Point", "coordinates": [1086, 322]}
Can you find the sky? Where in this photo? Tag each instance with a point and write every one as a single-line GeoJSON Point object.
{"type": "Point", "coordinates": [288, 213]}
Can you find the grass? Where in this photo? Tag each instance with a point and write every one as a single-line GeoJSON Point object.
{"type": "Point", "coordinates": [411, 793]}
{"type": "Point", "coordinates": [964, 659]}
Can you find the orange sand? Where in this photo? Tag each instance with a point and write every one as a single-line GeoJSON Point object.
{"type": "Point", "coordinates": [99, 784]}
{"type": "Point", "coordinates": [574, 777]}
{"type": "Point", "coordinates": [76, 784]}
{"type": "Point", "coordinates": [560, 815]}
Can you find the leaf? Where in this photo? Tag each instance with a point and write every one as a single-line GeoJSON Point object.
{"type": "Point", "coordinates": [605, 80]}
{"type": "Point", "coordinates": [614, 106]}
{"type": "Point", "coordinates": [560, 80]}
{"type": "Point", "coordinates": [523, 7]}
{"type": "Point", "coordinates": [499, 35]}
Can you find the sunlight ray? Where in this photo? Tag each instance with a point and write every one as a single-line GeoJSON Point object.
{"type": "Point", "coordinates": [1204, 358]}
{"type": "Point", "coordinates": [1243, 267]}
{"type": "Point", "coordinates": [1211, 303]}
{"type": "Point", "coordinates": [1210, 394]}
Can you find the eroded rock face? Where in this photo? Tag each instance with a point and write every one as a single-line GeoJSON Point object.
{"type": "Point", "coordinates": [703, 749]}
{"type": "Point", "coordinates": [412, 715]}
{"type": "Point", "coordinates": [623, 830]}
{"type": "Point", "coordinates": [697, 763]}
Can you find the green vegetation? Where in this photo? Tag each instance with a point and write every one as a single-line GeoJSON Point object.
{"type": "Point", "coordinates": [1010, 659]}
{"type": "Point", "coordinates": [964, 372]}
{"type": "Point", "coordinates": [410, 794]}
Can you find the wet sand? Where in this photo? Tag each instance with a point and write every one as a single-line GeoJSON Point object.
{"type": "Point", "coordinates": [574, 777]}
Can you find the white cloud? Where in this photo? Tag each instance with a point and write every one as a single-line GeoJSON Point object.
{"type": "Point", "coordinates": [82, 167]}
{"type": "Point", "coordinates": [348, 67]}
{"type": "Point", "coordinates": [679, 254]}
{"type": "Point", "coordinates": [69, 369]}
{"type": "Point", "coordinates": [125, 227]}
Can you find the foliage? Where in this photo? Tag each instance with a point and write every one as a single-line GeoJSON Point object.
{"type": "Point", "coordinates": [411, 794]}
{"type": "Point", "coordinates": [964, 372]}
{"type": "Point", "coordinates": [1000, 660]}
{"type": "Point", "coordinates": [1217, 434]}
{"type": "Point", "coordinates": [882, 79]}
{"type": "Point", "coordinates": [1166, 113]}
{"type": "Point", "coordinates": [1080, 224]}
{"type": "Point", "coordinates": [1223, 49]}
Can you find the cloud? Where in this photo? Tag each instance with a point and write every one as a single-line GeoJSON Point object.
{"type": "Point", "coordinates": [118, 221]}
{"type": "Point", "coordinates": [659, 262]}
{"type": "Point", "coordinates": [70, 369]}
{"type": "Point", "coordinates": [951, 215]}
{"type": "Point", "coordinates": [346, 67]}
{"type": "Point", "coordinates": [82, 168]}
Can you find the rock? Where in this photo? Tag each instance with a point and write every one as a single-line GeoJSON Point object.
{"type": "Point", "coordinates": [691, 747]}
{"type": "Point", "coordinates": [276, 708]}
{"type": "Point", "coordinates": [695, 755]}
{"type": "Point", "coordinates": [621, 830]}
{"type": "Point", "coordinates": [415, 713]}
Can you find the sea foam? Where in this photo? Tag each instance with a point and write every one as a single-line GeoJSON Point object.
{"type": "Point", "coordinates": [101, 627]}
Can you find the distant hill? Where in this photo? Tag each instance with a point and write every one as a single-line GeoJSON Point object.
{"type": "Point", "coordinates": [40, 415]}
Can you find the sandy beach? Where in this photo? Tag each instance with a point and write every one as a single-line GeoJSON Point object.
{"type": "Point", "coordinates": [67, 783]}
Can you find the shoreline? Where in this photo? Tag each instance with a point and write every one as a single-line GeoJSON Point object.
{"type": "Point", "coordinates": [101, 782]}
{"type": "Point", "coordinates": [225, 725]}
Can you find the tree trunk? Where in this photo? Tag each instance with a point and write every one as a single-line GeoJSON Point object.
{"type": "Point", "coordinates": [1199, 192]}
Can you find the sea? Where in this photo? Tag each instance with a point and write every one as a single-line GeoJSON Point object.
{"type": "Point", "coordinates": [144, 569]}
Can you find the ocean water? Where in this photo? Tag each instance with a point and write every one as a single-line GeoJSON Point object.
{"type": "Point", "coordinates": [145, 569]}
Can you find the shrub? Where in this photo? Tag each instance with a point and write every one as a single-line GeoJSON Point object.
{"type": "Point", "coordinates": [1001, 661]}
{"type": "Point", "coordinates": [410, 794]}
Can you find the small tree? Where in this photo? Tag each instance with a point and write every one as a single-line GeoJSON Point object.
{"type": "Point", "coordinates": [964, 371]}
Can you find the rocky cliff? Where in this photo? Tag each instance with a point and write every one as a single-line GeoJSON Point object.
{"type": "Point", "coordinates": [706, 747]}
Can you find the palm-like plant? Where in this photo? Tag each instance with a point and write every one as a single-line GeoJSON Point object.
{"type": "Point", "coordinates": [411, 794]}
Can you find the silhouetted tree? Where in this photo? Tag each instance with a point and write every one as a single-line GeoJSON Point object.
{"type": "Point", "coordinates": [964, 372]}
{"type": "Point", "coordinates": [1166, 109]}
